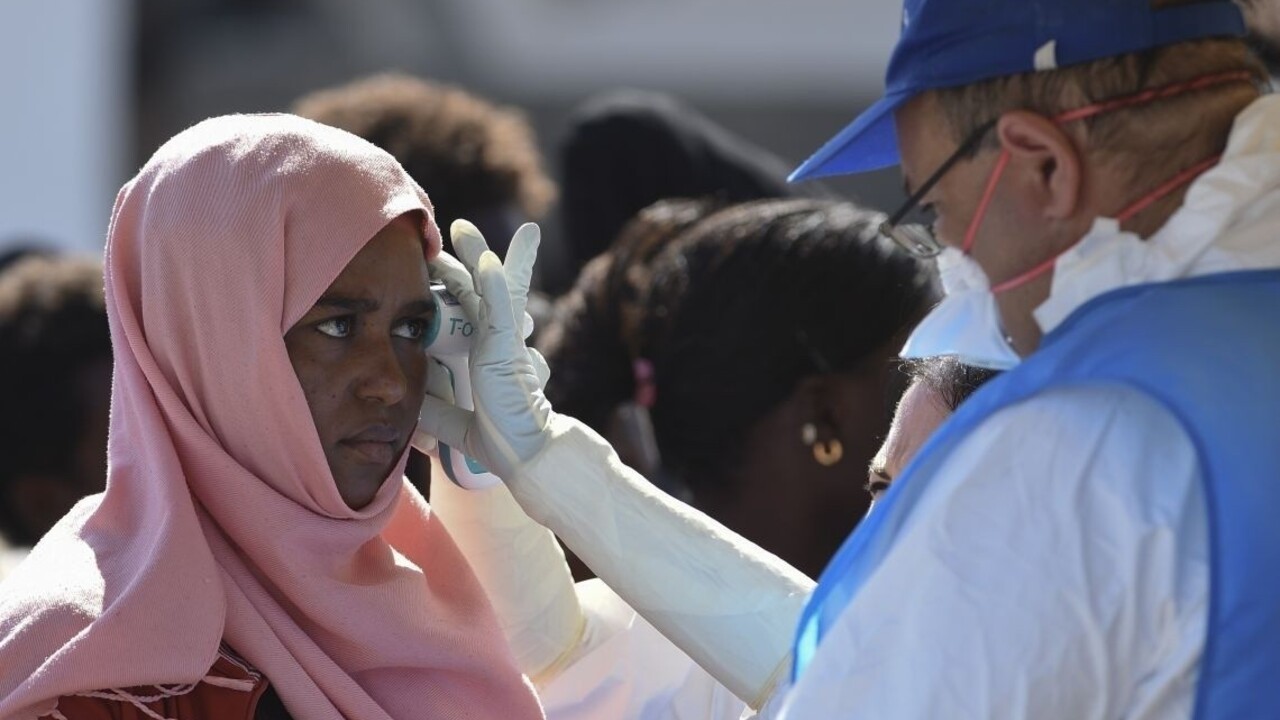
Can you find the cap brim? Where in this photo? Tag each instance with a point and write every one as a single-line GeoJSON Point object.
{"type": "Point", "coordinates": [868, 143]}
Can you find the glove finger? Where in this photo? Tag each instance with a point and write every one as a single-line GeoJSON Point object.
{"type": "Point", "coordinates": [492, 283]}
{"type": "Point", "coordinates": [519, 265]}
{"type": "Point", "coordinates": [457, 280]}
{"type": "Point", "coordinates": [540, 367]}
{"type": "Point", "coordinates": [469, 243]}
{"type": "Point", "coordinates": [445, 421]}
{"type": "Point", "coordinates": [445, 266]}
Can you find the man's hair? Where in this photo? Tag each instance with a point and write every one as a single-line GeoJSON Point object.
{"type": "Point", "coordinates": [948, 378]}
{"type": "Point", "coordinates": [1153, 138]}
{"type": "Point", "coordinates": [53, 323]}
{"type": "Point", "coordinates": [468, 154]}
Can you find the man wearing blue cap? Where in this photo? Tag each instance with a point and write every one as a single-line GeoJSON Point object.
{"type": "Point", "coordinates": [1091, 535]}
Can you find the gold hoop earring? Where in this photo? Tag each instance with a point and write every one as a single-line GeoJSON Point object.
{"type": "Point", "coordinates": [828, 453]}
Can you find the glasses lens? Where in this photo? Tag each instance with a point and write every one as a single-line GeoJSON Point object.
{"type": "Point", "coordinates": [915, 239]}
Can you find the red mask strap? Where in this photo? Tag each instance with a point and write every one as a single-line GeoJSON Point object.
{"type": "Point", "coordinates": [1029, 275]}
{"type": "Point", "coordinates": [1160, 93]}
{"type": "Point", "coordinates": [1183, 178]}
{"type": "Point", "coordinates": [1177, 181]}
{"type": "Point", "coordinates": [971, 234]}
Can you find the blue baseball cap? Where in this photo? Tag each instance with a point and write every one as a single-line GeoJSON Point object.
{"type": "Point", "coordinates": [951, 43]}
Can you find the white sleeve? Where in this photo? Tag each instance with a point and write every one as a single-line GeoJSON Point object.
{"type": "Point", "coordinates": [521, 568]}
{"type": "Point", "coordinates": [589, 653]}
{"type": "Point", "coordinates": [728, 604]}
{"type": "Point", "coordinates": [1056, 567]}
{"type": "Point", "coordinates": [625, 669]}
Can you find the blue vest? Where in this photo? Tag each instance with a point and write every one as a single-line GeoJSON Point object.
{"type": "Point", "coordinates": [1206, 349]}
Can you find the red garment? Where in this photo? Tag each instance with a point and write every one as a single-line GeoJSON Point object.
{"type": "Point", "coordinates": [230, 691]}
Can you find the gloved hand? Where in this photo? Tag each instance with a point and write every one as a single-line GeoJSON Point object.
{"type": "Point", "coordinates": [518, 562]}
{"type": "Point", "coordinates": [508, 426]}
{"type": "Point", "coordinates": [727, 603]}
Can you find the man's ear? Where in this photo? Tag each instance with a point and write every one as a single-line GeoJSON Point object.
{"type": "Point", "coordinates": [1044, 161]}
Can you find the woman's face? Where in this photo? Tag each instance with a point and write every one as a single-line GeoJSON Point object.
{"type": "Point", "coordinates": [359, 357]}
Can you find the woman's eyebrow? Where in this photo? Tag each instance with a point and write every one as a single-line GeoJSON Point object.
{"type": "Point", "coordinates": [421, 306]}
{"type": "Point", "coordinates": [348, 303]}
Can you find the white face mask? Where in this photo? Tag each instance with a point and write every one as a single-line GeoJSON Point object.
{"type": "Point", "coordinates": [966, 324]}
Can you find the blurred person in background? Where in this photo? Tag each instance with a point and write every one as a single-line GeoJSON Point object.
{"type": "Point", "coordinates": [625, 150]}
{"type": "Point", "coordinates": [256, 553]}
{"type": "Point", "coordinates": [55, 379]}
{"type": "Point", "coordinates": [591, 343]}
{"type": "Point", "coordinates": [16, 249]}
{"type": "Point", "coordinates": [481, 160]}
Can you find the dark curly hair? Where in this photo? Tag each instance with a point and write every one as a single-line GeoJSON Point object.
{"type": "Point", "coordinates": [754, 299]}
{"type": "Point", "coordinates": [591, 341]}
{"type": "Point", "coordinates": [53, 324]}
{"type": "Point", "coordinates": [470, 156]}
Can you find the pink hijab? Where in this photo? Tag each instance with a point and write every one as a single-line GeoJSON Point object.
{"type": "Point", "coordinates": [221, 520]}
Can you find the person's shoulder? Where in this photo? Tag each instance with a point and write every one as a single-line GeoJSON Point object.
{"type": "Point", "coordinates": [1111, 443]}
{"type": "Point", "coordinates": [229, 690]}
{"type": "Point", "coordinates": [1078, 408]}
{"type": "Point", "coordinates": [1102, 418]}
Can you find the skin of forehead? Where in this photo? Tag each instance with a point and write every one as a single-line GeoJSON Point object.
{"type": "Point", "coordinates": [920, 412]}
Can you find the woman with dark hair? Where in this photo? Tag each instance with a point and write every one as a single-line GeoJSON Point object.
{"type": "Point", "coordinates": [772, 329]}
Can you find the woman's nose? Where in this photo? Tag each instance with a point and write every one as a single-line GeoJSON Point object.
{"type": "Point", "coordinates": [382, 379]}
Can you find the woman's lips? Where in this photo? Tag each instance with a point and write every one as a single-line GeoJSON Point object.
{"type": "Point", "coordinates": [378, 453]}
{"type": "Point", "coordinates": [375, 444]}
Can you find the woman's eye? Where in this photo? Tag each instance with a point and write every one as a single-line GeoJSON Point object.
{"type": "Point", "coordinates": [338, 327]}
{"type": "Point", "coordinates": [413, 329]}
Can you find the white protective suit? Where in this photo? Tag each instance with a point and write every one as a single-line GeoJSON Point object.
{"type": "Point", "coordinates": [1117, 629]}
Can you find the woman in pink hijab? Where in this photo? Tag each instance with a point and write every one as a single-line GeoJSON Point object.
{"type": "Point", "coordinates": [266, 284]}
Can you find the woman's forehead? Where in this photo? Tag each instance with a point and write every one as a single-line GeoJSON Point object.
{"type": "Point", "coordinates": [391, 262]}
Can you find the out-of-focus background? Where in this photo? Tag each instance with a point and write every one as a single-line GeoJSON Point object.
{"type": "Point", "coordinates": [92, 87]}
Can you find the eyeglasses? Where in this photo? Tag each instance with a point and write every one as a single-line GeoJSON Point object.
{"type": "Point", "coordinates": [917, 239]}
